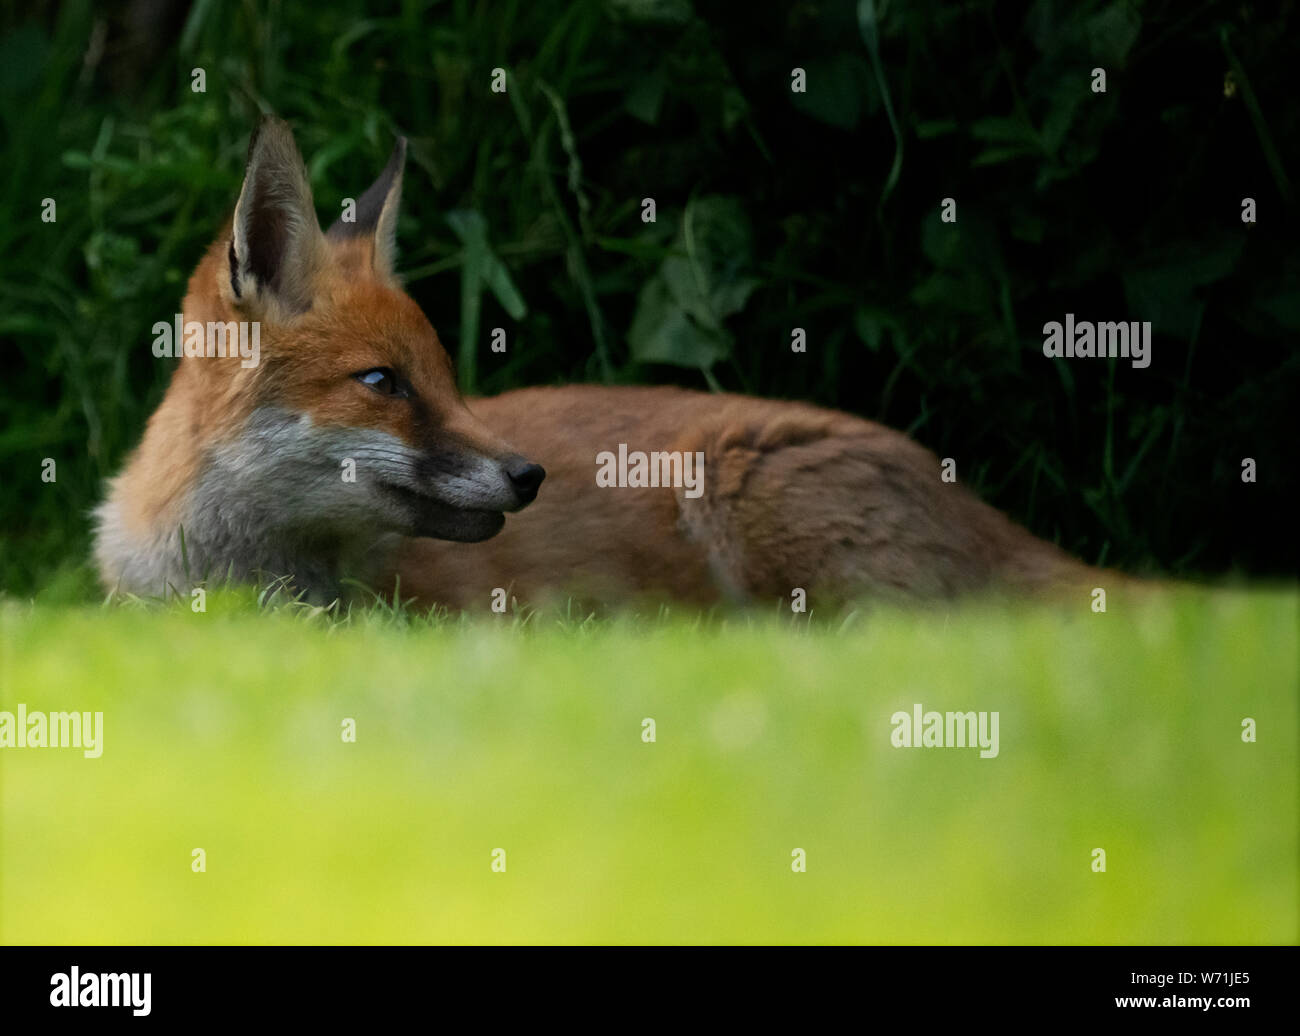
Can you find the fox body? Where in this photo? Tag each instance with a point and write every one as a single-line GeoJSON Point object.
{"type": "Point", "coordinates": [347, 452]}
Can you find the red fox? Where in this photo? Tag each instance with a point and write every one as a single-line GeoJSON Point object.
{"type": "Point", "coordinates": [345, 452]}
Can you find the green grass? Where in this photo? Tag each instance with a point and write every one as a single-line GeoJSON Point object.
{"type": "Point", "coordinates": [222, 731]}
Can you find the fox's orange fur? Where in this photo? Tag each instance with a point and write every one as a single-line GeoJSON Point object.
{"type": "Point", "coordinates": [246, 461]}
{"type": "Point", "coordinates": [795, 496]}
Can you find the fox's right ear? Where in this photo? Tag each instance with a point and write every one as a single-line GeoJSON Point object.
{"type": "Point", "coordinates": [376, 213]}
{"type": "Point", "coordinates": [275, 241]}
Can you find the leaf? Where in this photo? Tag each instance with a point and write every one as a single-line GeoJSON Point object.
{"type": "Point", "coordinates": [646, 95]}
{"type": "Point", "coordinates": [730, 296]}
{"type": "Point", "coordinates": [662, 332]}
{"type": "Point", "coordinates": [1163, 290]}
{"type": "Point", "coordinates": [1283, 305]}
{"type": "Point", "coordinates": [681, 311]}
{"type": "Point", "coordinates": [471, 228]}
{"type": "Point", "coordinates": [868, 28]}
{"type": "Point", "coordinates": [871, 325]}
{"type": "Point", "coordinates": [998, 155]}
{"type": "Point", "coordinates": [1003, 129]}
{"type": "Point", "coordinates": [1112, 33]}
{"type": "Point", "coordinates": [930, 128]}
{"type": "Point", "coordinates": [838, 90]}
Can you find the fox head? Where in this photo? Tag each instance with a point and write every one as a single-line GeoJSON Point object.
{"type": "Point", "coordinates": [349, 426]}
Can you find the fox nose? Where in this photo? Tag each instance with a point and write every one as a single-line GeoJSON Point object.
{"type": "Point", "coordinates": [526, 477]}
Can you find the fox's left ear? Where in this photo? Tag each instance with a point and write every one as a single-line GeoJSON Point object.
{"type": "Point", "coordinates": [376, 212]}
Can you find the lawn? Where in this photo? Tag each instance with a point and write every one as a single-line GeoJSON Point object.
{"type": "Point", "coordinates": [223, 731]}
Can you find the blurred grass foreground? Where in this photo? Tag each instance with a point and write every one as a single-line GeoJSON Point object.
{"type": "Point", "coordinates": [223, 732]}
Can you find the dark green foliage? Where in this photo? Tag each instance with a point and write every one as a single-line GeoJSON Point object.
{"type": "Point", "coordinates": [774, 211]}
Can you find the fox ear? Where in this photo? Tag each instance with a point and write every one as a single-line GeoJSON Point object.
{"type": "Point", "coordinates": [376, 212]}
{"type": "Point", "coordinates": [275, 239]}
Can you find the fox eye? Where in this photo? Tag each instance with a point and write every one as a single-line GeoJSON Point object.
{"type": "Point", "coordinates": [385, 381]}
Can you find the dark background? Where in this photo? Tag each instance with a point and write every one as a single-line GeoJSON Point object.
{"type": "Point", "coordinates": [775, 211]}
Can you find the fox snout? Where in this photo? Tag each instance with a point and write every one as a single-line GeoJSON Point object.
{"type": "Point", "coordinates": [526, 478]}
{"type": "Point", "coordinates": [463, 495]}
{"type": "Point", "coordinates": [477, 481]}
